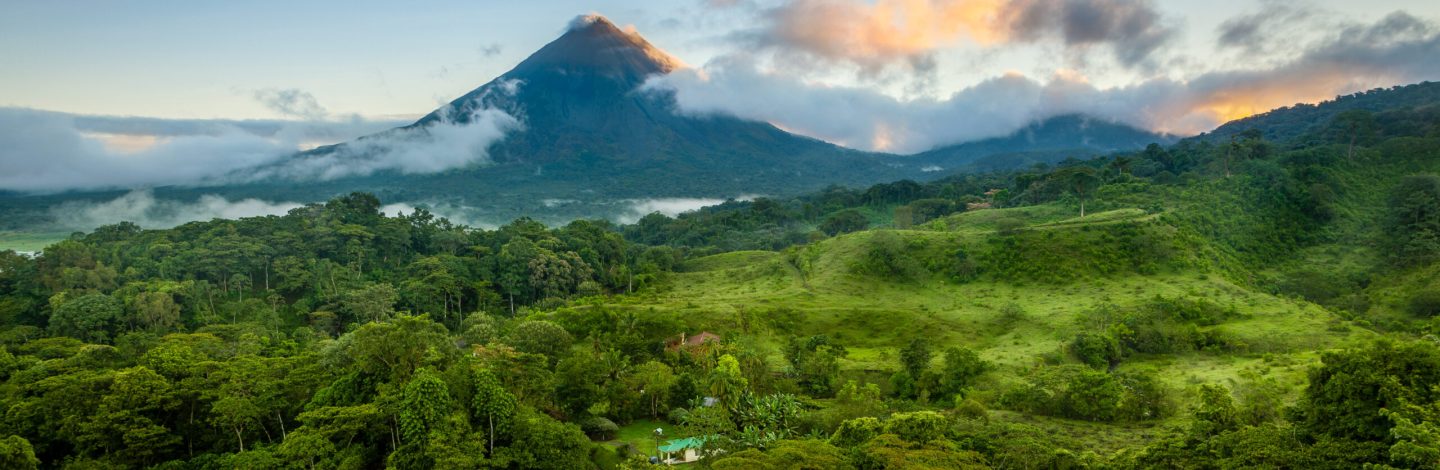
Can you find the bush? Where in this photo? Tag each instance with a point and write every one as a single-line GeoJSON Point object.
{"type": "Point", "coordinates": [854, 432]}
{"type": "Point", "coordinates": [1096, 350]}
{"type": "Point", "coordinates": [599, 428]}
{"type": "Point", "coordinates": [1092, 395]}
{"type": "Point", "coordinates": [845, 221]}
{"type": "Point", "coordinates": [677, 415]}
{"type": "Point", "coordinates": [1425, 303]}
{"type": "Point", "coordinates": [918, 427]}
{"type": "Point", "coordinates": [888, 257]}
{"type": "Point", "coordinates": [970, 409]}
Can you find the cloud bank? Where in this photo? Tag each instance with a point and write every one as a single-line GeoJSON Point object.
{"type": "Point", "coordinates": [43, 151]}
{"type": "Point", "coordinates": [1397, 49]}
{"type": "Point", "coordinates": [144, 209]}
{"type": "Point", "coordinates": [434, 148]}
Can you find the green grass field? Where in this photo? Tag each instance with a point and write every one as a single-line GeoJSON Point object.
{"type": "Point", "coordinates": [639, 434]}
{"type": "Point", "coordinates": [29, 241]}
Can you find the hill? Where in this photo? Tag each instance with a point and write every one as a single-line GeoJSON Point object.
{"type": "Point", "coordinates": [1049, 141]}
{"type": "Point", "coordinates": [1290, 123]}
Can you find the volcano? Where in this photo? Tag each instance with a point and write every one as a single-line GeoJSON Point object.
{"type": "Point", "coordinates": [588, 125]}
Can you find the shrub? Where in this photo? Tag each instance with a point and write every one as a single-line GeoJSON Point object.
{"type": "Point", "coordinates": [677, 415]}
{"type": "Point", "coordinates": [1425, 303]}
{"type": "Point", "coordinates": [918, 427]}
{"type": "Point", "coordinates": [856, 431]}
{"type": "Point", "coordinates": [1097, 350]}
{"type": "Point", "coordinates": [599, 428]}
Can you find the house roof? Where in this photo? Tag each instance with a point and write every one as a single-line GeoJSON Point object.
{"type": "Point", "coordinates": [677, 445]}
{"type": "Point", "coordinates": [701, 338]}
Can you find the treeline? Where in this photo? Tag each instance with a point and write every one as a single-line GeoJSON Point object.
{"type": "Point", "coordinates": [332, 265]}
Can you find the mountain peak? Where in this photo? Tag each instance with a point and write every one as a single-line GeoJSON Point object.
{"type": "Point", "coordinates": [591, 20]}
{"type": "Point", "coordinates": [593, 43]}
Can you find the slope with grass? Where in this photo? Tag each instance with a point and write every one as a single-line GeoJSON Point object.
{"type": "Point", "coordinates": [1015, 285]}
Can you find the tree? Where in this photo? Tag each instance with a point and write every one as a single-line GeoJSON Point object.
{"type": "Point", "coordinates": [424, 404]}
{"type": "Point", "coordinates": [1412, 224]}
{"type": "Point", "coordinates": [493, 405]}
{"type": "Point", "coordinates": [815, 360]}
{"type": "Point", "coordinates": [540, 337]}
{"type": "Point", "coordinates": [89, 317]}
{"type": "Point", "coordinates": [654, 379]}
{"type": "Point", "coordinates": [854, 432]}
{"type": "Point", "coordinates": [1215, 413]}
{"type": "Point", "coordinates": [845, 221]}
{"type": "Point", "coordinates": [16, 453]}
{"type": "Point", "coordinates": [372, 303]}
{"type": "Point", "coordinates": [918, 426]}
{"type": "Point", "coordinates": [543, 443]}
{"type": "Point", "coordinates": [962, 367]}
{"type": "Point", "coordinates": [1347, 392]}
{"type": "Point", "coordinates": [395, 349]}
{"type": "Point", "coordinates": [1097, 350]}
{"type": "Point", "coordinates": [726, 383]}
{"type": "Point", "coordinates": [1092, 395]}
{"type": "Point", "coordinates": [306, 445]}
{"type": "Point", "coordinates": [156, 311]}
{"type": "Point", "coordinates": [854, 401]}
{"type": "Point", "coordinates": [1356, 126]}
{"type": "Point", "coordinates": [915, 357]}
{"type": "Point", "coordinates": [581, 381]}
{"type": "Point", "coordinates": [1080, 180]}
{"type": "Point", "coordinates": [129, 420]}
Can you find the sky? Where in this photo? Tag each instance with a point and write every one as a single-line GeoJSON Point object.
{"type": "Point", "coordinates": [127, 93]}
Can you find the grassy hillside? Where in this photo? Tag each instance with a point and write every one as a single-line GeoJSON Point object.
{"type": "Point", "coordinates": [1016, 318]}
{"type": "Point", "coordinates": [1017, 285]}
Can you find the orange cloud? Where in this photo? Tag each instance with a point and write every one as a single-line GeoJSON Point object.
{"type": "Point", "coordinates": [879, 33]}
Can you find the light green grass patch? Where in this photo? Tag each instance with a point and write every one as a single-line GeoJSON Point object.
{"type": "Point", "coordinates": [29, 241]}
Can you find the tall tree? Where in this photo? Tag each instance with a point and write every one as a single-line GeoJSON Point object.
{"type": "Point", "coordinates": [493, 405]}
{"type": "Point", "coordinates": [1080, 180]}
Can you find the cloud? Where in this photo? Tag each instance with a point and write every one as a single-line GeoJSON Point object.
{"type": "Point", "coordinates": [491, 50]}
{"type": "Point", "coordinates": [670, 206]}
{"type": "Point", "coordinates": [44, 151]}
{"type": "Point", "coordinates": [292, 102]}
{"type": "Point", "coordinates": [457, 214]}
{"type": "Point", "coordinates": [1397, 49]}
{"type": "Point", "coordinates": [885, 33]}
{"type": "Point", "coordinates": [1132, 28]}
{"type": "Point", "coordinates": [446, 143]}
{"type": "Point", "coordinates": [441, 146]}
{"type": "Point", "coordinates": [1256, 32]}
{"type": "Point", "coordinates": [144, 209]}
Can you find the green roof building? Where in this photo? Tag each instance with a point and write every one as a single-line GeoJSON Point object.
{"type": "Point", "coordinates": [678, 451]}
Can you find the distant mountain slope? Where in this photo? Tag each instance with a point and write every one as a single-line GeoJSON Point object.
{"type": "Point", "coordinates": [587, 125]}
{"type": "Point", "coordinates": [1284, 124]}
{"type": "Point", "coordinates": [1047, 141]}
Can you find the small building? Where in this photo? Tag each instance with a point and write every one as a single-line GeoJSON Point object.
{"type": "Point", "coordinates": [681, 451]}
{"type": "Point", "coordinates": [696, 343]}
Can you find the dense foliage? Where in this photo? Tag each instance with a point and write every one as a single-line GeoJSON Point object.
{"type": "Point", "coordinates": [337, 337]}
